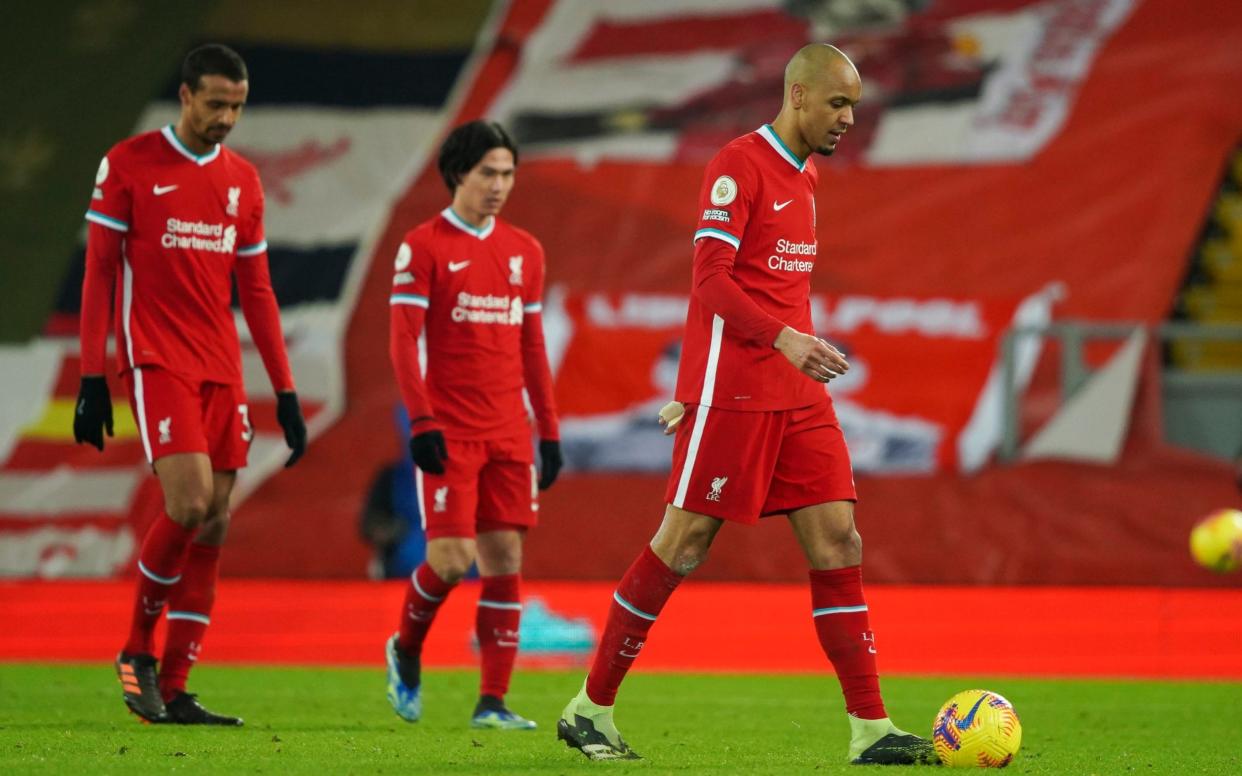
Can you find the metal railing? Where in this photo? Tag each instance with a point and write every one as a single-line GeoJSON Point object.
{"type": "Point", "coordinates": [1073, 336]}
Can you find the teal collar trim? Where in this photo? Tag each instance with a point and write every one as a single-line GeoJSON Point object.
{"type": "Point", "coordinates": [480, 232]}
{"type": "Point", "coordinates": [176, 143]}
{"type": "Point", "coordinates": [774, 140]}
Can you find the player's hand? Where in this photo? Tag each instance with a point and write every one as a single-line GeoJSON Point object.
{"type": "Point", "coordinates": [429, 451]}
{"type": "Point", "coordinates": [550, 462]}
{"type": "Point", "coordinates": [670, 416]}
{"type": "Point", "coordinates": [811, 355]}
{"type": "Point", "coordinates": [92, 414]}
{"type": "Point", "coordinates": [289, 415]}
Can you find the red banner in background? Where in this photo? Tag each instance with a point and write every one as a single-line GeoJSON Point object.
{"type": "Point", "coordinates": [1045, 165]}
{"type": "Point", "coordinates": [1106, 205]}
{"type": "Point", "coordinates": [923, 217]}
{"type": "Point", "coordinates": [919, 369]}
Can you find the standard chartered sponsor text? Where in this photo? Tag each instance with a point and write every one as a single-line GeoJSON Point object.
{"type": "Point", "coordinates": [488, 308]}
{"type": "Point", "coordinates": [790, 248]}
{"type": "Point", "coordinates": [198, 235]}
{"type": "Point", "coordinates": [177, 226]}
{"type": "Point", "coordinates": [790, 265]}
{"type": "Point", "coordinates": [487, 302]}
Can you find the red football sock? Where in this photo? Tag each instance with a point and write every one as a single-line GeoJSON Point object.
{"type": "Point", "coordinates": [189, 614]}
{"type": "Point", "coordinates": [497, 622]}
{"type": "Point", "coordinates": [422, 599]}
{"type": "Point", "coordinates": [844, 631]}
{"type": "Point", "coordinates": [640, 596]}
{"type": "Point", "coordinates": [159, 569]}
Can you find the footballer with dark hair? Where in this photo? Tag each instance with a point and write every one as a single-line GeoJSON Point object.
{"type": "Point", "coordinates": [174, 218]}
{"type": "Point", "coordinates": [472, 284]}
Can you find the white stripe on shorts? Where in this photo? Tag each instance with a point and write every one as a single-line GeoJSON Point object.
{"type": "Point", "coordinates": [418, 491]}
{"type": "Point", "coordinates": [700, 418]}
{"type": "Point", "coordinates": [140, 403]}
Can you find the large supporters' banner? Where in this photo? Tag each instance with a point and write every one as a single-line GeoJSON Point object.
{"type": "Point", "coordinates": [1007, 165]}
{"type": "Point", "coordinates": [949, 81]}
{"type": "Point", "coordinates": [944, 205]}
{"type": "Point", "coordinates": [1007, 154]}
{"type": "Point", "coordinates": [900, 408]}
{"type": "Point", "coordinates": [1012, 161]}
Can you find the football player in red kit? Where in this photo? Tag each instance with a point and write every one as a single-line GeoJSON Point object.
{"type": "Point", "coordinates": [472, 286]}
{"type": "Point", "coordinates": [174, 218]}
{"type": "Point", "coordinates": [759, 435]}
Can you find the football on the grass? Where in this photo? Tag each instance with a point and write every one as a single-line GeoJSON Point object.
{"type": "Point", "coordinates": [977, 728]}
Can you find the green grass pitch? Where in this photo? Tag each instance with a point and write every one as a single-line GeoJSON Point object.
{"type": "Point", "coordinates": [68, 719]}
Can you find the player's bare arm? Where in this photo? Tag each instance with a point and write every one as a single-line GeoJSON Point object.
{"type": "Point", "coordinates": [810, 355]}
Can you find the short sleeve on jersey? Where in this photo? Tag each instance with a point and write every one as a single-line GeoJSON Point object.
{"type": "Point", "coordinates": [111, 199]}
{"type": "Point", "coordinates": [411, 280]}
{"type": "Point", "coordinates": [252, 241]}
{"type": "Point", "coordinates": [730, 185]}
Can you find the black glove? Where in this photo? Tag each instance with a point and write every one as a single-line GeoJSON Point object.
{"type": "Point", "coordinates": [93, 413]}
{"type": "Point", "coordinates": [289, 415]}
{"type": "Point", "coordinates": [428, 451]}
{"type": "Point", "coordinates": [550, 462]}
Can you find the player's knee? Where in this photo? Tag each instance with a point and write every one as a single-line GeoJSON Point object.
{"type": "Point", "coordinates": [452, 570]}
{"type": "Point", "coordinates": [189, 509]}
{"type": "Point", "coordinates": [505, 562]}
{"type": "Point", "coordinates": [452, 561]}
{"type": "Point", "coordinates": [848, 540]}
{"type": "Point", "coordinates": [685, 549]}
{"type": "Point", "coordinates": [843, 549]}
{"type": "Point", "coordinates": [215, 528]}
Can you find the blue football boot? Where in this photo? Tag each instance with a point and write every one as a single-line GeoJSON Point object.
{"type": "Point", "coordinates": [404, 685]}
{"type": "Point", "coordinates": [492, 714]}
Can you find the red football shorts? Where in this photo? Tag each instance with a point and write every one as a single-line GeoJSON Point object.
{"type": "Point", "coordinates": [487, 485]}
{"type": "Point", "coordinates": [175, 415]}
{"type": "Point", "coordinates": [740, 466]}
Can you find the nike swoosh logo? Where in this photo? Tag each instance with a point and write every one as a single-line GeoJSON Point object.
{"type": "Point", "coordinates": [159, 190]}
{"type": "Point", "coordinates": [779, 206]}
{"type": "Point", "coordinates": [454, 266]}
{"type": "Point", "coordinates": [965, 722]}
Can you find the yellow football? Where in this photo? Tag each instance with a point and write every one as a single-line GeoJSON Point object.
{"type": "Point", "coordinates": [977, 729]}
{"type": "Point", "coordinates": [1216, 541]}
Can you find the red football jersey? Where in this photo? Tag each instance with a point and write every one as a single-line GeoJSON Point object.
{"type": "Point", "coordinates": [758, 197]}
{"type": "Point", "coordinates": [186, 221]}
{"type": "Point", "coordinates": [482, 291]}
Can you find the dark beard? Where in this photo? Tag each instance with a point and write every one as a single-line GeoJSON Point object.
{"type": "Point", "coordinates": [206, 138]}
{"type": "Point", "coordinates": [825, 150]}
